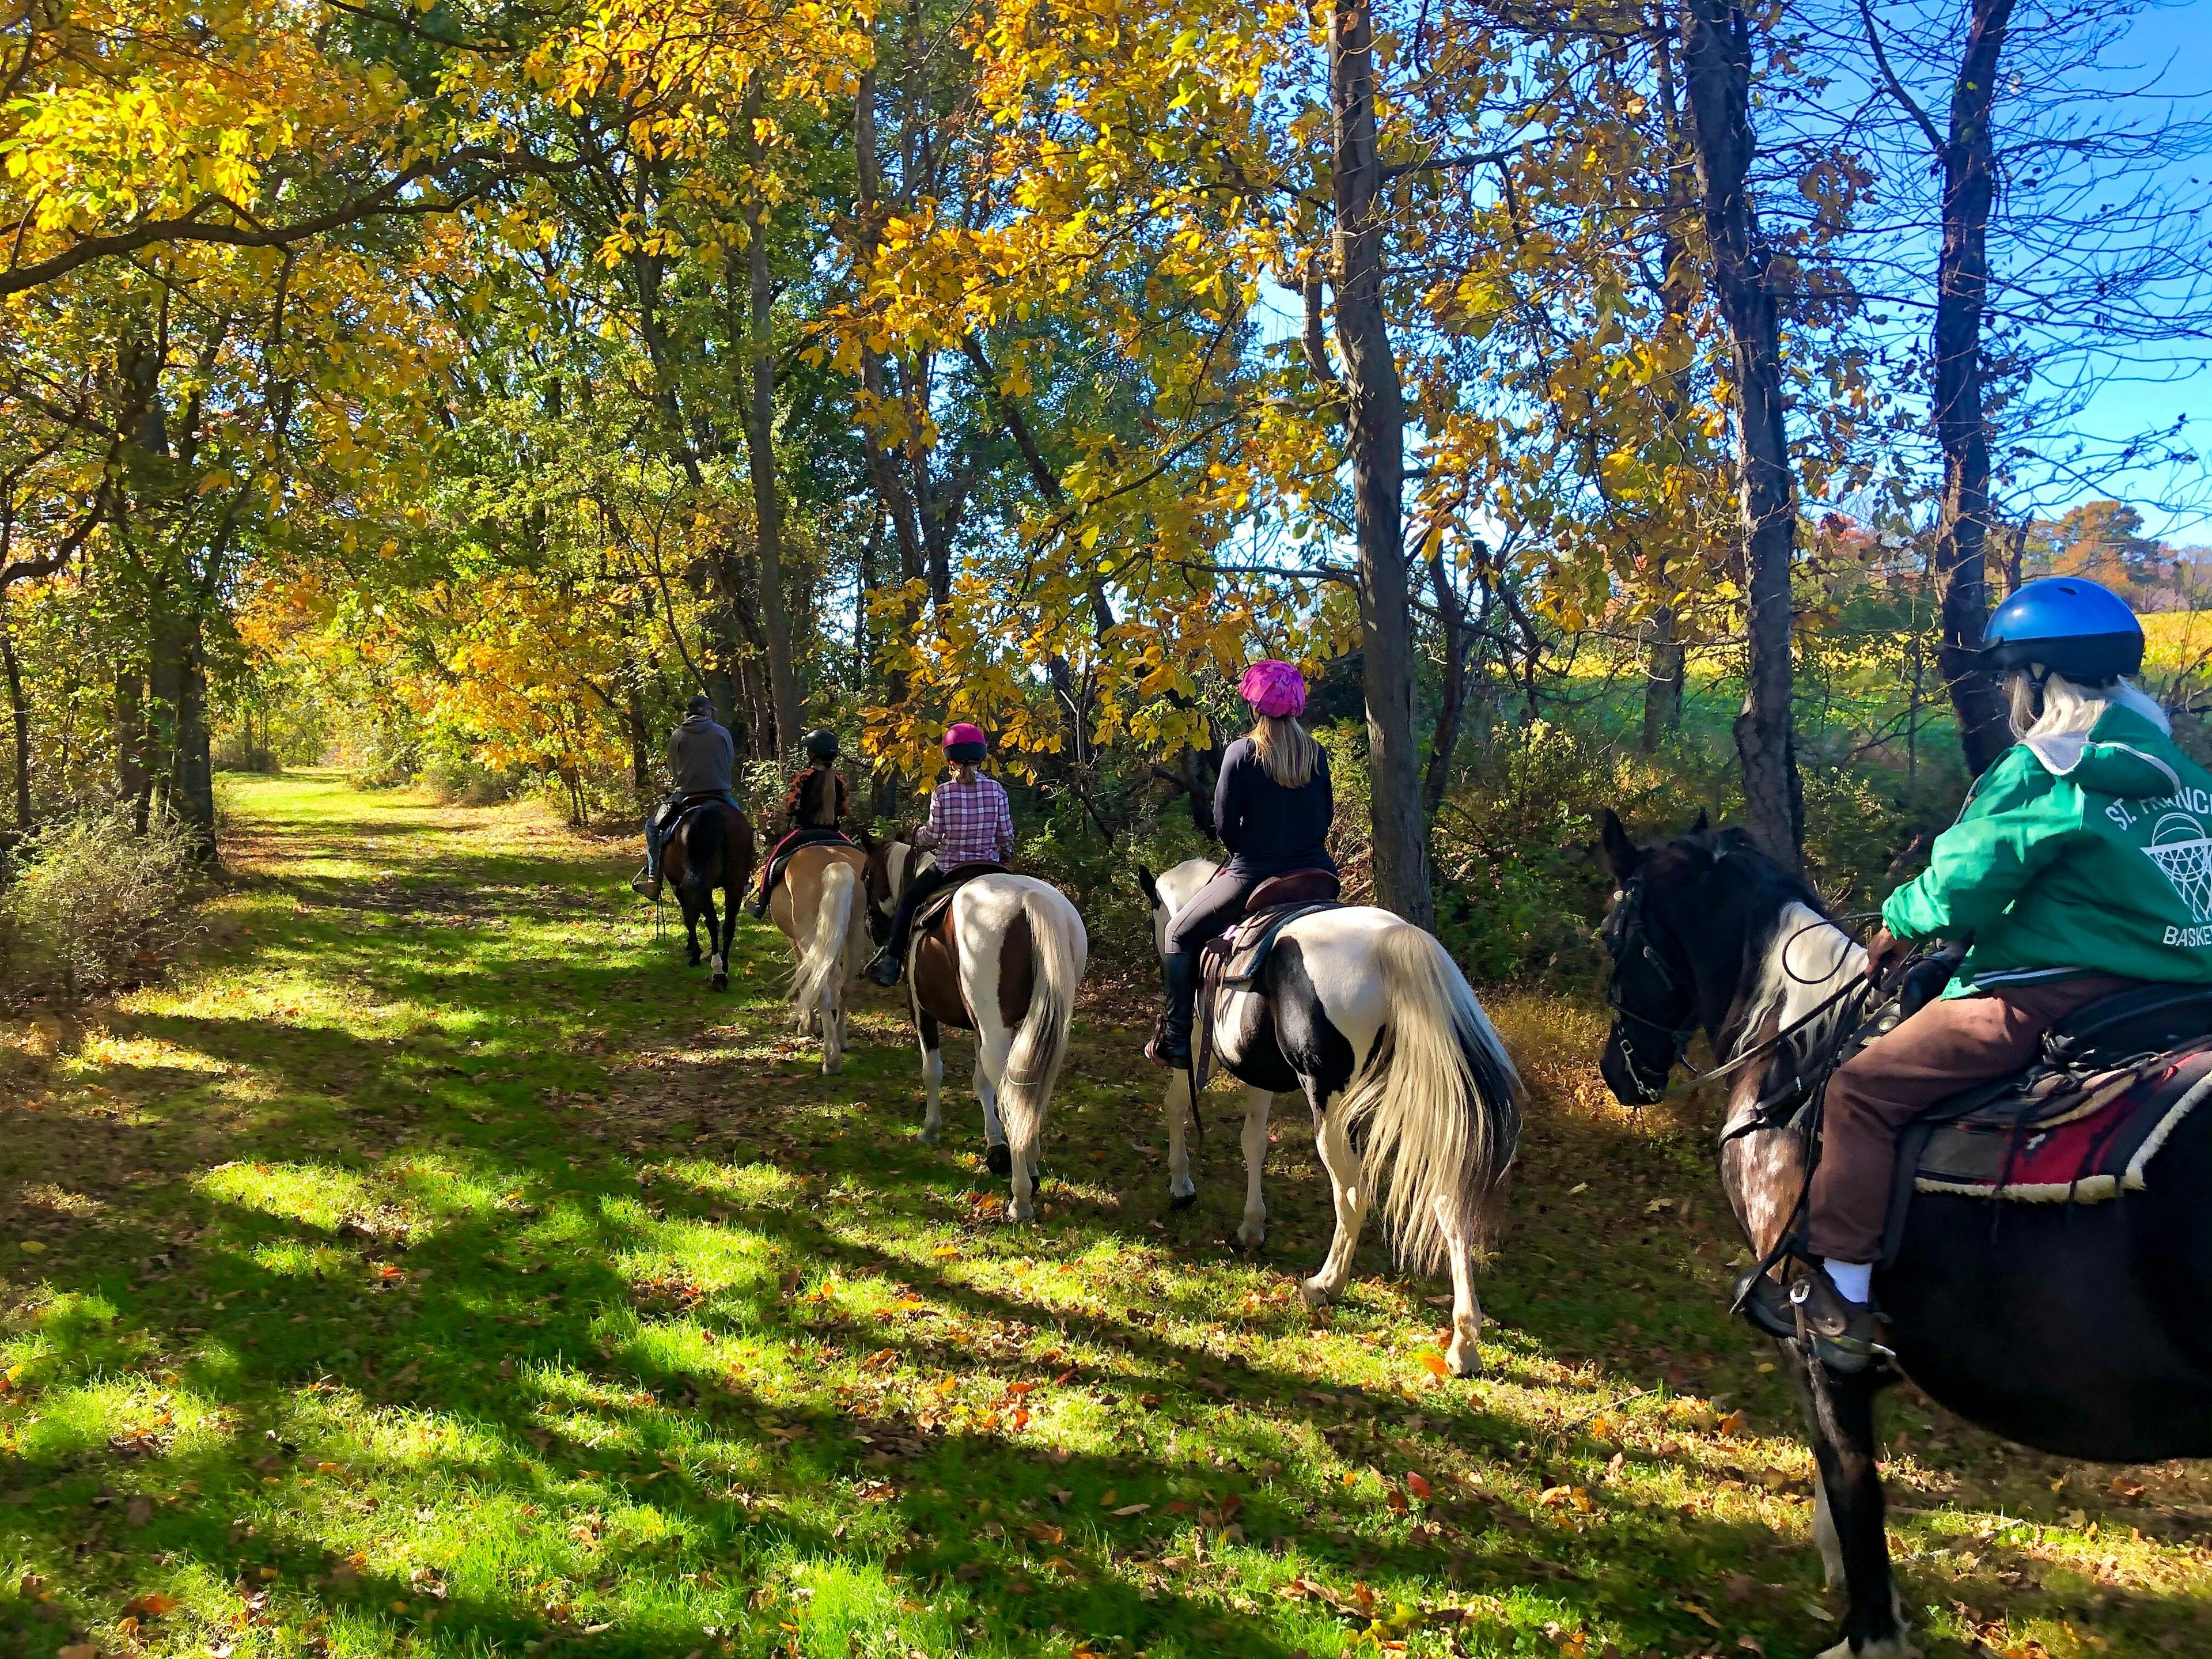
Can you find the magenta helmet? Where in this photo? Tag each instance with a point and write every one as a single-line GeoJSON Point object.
{"type": "Point", "coordinates": [965, 744]}
{"type": "Point", "coordinates": [1276, 689]}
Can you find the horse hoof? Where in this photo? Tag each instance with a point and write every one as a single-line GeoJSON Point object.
{"type": "Point", "coordinates": [1466, 1363]}
{"type": "Point", "coordinates": [1182, 1200]}
{"type": "Point", "coordinates": [1251, 1238]}
{"type": "Point", "coordinates": [999, 1160]}
{"type": "Point", "coordinates": [1315, 1294]}
{"type": "Point", "coordinates": [831, 1068]}
{"type": "Point", "coordinates": [720, 981]}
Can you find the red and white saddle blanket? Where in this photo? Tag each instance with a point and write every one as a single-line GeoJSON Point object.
{"type": "Point", "coordinates": [2084, 1141]}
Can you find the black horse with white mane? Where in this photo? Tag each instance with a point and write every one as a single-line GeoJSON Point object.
{"type": "Point", "coordinates": [2083, 1331]}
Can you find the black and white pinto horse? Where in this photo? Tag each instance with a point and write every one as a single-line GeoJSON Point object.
{"type": "Point", "coordinates": [2085, 1331]}
{"type": "Point", "coordinates": [1412, 1095]}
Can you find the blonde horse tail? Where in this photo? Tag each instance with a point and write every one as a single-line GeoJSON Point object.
{"type": "Point", "coordinates": [1040, 1044]}
{"type": "Point", "coordinates": [1438, 1100]}
{"type": "Point", "coordinates": [821, 964]}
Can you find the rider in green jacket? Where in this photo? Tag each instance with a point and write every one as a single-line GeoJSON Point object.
{"type": "Point", "coordinates": [2080, 865]}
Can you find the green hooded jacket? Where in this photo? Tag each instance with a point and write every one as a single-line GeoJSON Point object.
{"type": "Point", "coordinates": [2074, 855]}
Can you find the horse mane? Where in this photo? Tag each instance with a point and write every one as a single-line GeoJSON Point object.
{"type": "Point", "coordinates": [1784, 973]}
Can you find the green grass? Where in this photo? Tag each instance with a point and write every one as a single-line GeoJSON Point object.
{"type": "Point", "coordinates": [434, 1267]}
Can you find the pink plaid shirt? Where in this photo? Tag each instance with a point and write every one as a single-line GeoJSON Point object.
{"type": "Point", "coordinates": [969, 823]}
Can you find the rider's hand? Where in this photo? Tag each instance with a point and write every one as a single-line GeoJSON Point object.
{"type": "Point", "coordinates": [1884, 952]}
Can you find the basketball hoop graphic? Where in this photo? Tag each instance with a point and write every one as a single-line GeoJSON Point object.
{"type": "Point", "coordinates": [2179, 847]}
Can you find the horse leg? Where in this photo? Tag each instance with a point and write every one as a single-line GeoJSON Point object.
{"type": "Point", "coordinates": [1347, 1189]}
{"type": "Point", "coordinates": [1253, 1232]}
{"type": "Point", "coordinates": [716, 961]}
{"type": "Point", "coordinates": [1464, 1359]}
{"type": "Point", "coordinates": [832, 1012]}
{"type": "Point", "coordinates": [1182, 1111]}
{"type": "Point", "coordinates": [690, 931]}
{"type": "Point", "coordinates": [932, 1075]}
{"type": "Point", "coordinates": [992, 1046]}
{"type": "Point", "coordinates": [1840, 1410]}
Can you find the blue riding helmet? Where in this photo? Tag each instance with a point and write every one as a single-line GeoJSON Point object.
{"type": "Point", "coordinates": [2069, 625]}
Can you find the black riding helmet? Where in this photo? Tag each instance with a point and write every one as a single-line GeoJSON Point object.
{"type": "Point", "coordinates": [822, 746]}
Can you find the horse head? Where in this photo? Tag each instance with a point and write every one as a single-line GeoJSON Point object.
{"type": "Point", "coordinates": [1169, 891]}
{"type": "Point", "coordinates": [1686, 914]}
{"type": "Point", "coordinates": [891, 863]}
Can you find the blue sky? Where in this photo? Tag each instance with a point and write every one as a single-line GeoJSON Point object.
{"type": "Point", "coordinates": [2174, 384]}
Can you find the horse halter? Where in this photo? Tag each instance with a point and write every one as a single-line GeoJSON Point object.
{"type": "Point", "coordinates": [1628, 938]}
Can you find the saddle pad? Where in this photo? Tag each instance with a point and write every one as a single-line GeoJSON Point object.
{"type": "Point", "coordinates": [1234, 962]}
{"type": "Point", "coordinates": [2085, 1156]}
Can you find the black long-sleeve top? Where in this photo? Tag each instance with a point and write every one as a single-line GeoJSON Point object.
{"type": "Point", "coordinates": [1269, 829]}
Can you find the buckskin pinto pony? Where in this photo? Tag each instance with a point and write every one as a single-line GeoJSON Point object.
{"type": "Point", "coordinates": [819, 906]}
{"type": "Point", "coordinates": [2079, 1330]}
{"type": "Point", "coordinates": [1414, 1097]}
{"type": "Point", "coordinates": [1004, 960]}
{"type": "Point", "coordinates": [709, 849]}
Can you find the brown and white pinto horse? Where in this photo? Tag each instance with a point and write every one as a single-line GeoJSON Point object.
{"type": "Point", "coordinates": [709, 848]}
{"type": "Point", "coordinates": [1003, 961]}
{"type": "Point", "coordinates": [818, 905]}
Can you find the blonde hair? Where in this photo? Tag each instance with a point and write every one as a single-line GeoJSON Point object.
{"type": "Point", "coordinates": [1287, 752]}
{"type": "Point", "coordinates": [2066, 709]}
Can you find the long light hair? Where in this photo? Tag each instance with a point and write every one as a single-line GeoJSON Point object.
{"type": "Point", "coordinates": [2065, 709]}
{"type": "Point", "coordinates": [1287, 752]}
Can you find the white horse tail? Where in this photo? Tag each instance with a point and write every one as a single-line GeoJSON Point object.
{"type": "Point", "coordinates": [1059, 948]}
{"type": "Point", "coordinates": [821, 964]}
{"type": "Point", "coordinates": [1437, 1099]}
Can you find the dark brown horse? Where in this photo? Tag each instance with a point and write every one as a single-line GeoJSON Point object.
{"type": "Point", "coordinates": [2078, 1330]}
{"type": "Point", "coordinates": [709, 849]}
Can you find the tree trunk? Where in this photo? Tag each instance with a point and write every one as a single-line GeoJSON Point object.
{"type": "Point", "coordinates": [1444, 742]}
{"type": "Point", "coordinates": [1716, 72]}
{"type": "Point", "coordinates": [640, 737]}
{"type": "Point", "coordinates": [882, 470]}
{"type": "Point", "coordinates": [1662, 682]}
{"type": "Point", "coordinates": [20, 707]}
{"type": "Point", "coordinates": [1375, 427]}
{"type": "Point", "coordinates": [193, 785]}
{"type": "Point", "coordinates": [1962, 290]}
{"type": "Point", "coordinates": [760, 446]}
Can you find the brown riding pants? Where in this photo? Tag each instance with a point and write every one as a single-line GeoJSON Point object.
{"type": "Point", "coordinates": [1947, 1047]}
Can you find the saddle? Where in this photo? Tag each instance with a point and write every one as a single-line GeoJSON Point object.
{"type": "Point", "coordinates": [932, 909]}
{"type": "Point", "coordinates": [2079, 1125]}
{"type": "Point", "coordinates": [817, 835]}
{"type": "Point", "coordinates": [1234, 961]}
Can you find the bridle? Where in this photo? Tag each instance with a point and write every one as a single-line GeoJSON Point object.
{"type": "Point", "coordinates": [1627, 935]}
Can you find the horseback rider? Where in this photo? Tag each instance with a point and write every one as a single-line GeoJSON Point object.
{"type": "Point", "coordinates": [703, 758]}
{"type": "Point", "coordinates": [815, 808]}
{"type": "Point", "coordinates": [969, 822]}
{"type": "Point", "coordinates": [2053, 876]}
{"type": "Point", "coordinates": [1273, 806]}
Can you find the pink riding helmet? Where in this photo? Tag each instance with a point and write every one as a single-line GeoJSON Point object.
{"type": "Point", "coordinates": [1276, 689]}
{"type": "Point", "coordinates": [964, 733]}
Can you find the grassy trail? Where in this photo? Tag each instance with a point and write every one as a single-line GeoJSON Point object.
{"type": "Point", "coordinates": [433, 1266]}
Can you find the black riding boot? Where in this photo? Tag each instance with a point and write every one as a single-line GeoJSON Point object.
{"type": "Point", "coordinates": [1170, 1043]}
{"type": "Point", "coordinates": [889, 965]}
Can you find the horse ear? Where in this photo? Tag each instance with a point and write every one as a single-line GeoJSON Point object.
{"type": "Point", "coordinates": [1621, 856]}
{"type": "Point", "coordinates": [1702, 825]}
{"type": "Point", "coordinates": [866, 838]}
{"type": "Point", "coordinates": [1148, 886]}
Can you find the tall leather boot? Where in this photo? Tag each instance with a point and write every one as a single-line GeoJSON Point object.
{"type": "Point", "coordinates": [1170, 1043]}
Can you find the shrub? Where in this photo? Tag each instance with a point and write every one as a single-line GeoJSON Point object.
{"type": "Point", "coordinates": [92, 904]}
